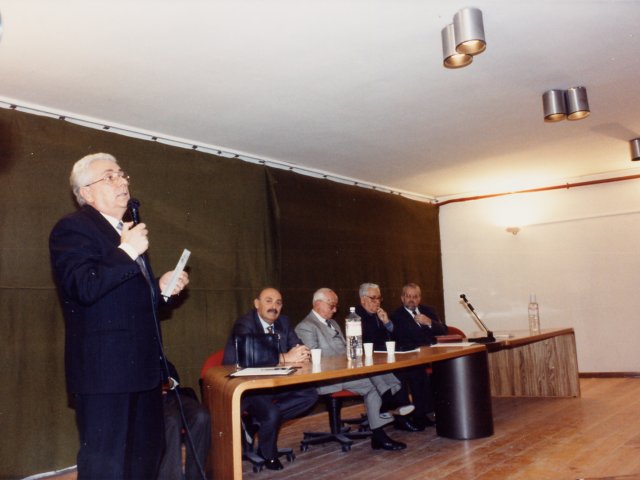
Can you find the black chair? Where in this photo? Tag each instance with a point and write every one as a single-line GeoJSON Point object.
{"type": "Point", "coordinates": [340, 432]}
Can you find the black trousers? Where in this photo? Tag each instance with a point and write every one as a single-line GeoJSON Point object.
{"type": "Point", "coordinates": [199, 426]}
{"type": "Point", "coordinates": [269, 410]}
{"type": "Point", "coordinates": [418, 382]}
{"type": "Point", "coordinates": [121, 435]}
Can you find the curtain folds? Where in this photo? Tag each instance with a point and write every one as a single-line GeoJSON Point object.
{"type": "Point", "coordinates": [246, 225]}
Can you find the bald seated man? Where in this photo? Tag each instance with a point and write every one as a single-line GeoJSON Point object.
{"type": "Point", "coordinates": [319, 330]}
{"type": "Point", "coordinates": [268, 410]}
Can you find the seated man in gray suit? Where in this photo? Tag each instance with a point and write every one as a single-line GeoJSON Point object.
{"type": "Point", "coordinates": [319, 330]}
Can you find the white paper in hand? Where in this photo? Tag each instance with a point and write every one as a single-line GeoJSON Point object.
{"type": "Point", "coordinates": [166, 293]}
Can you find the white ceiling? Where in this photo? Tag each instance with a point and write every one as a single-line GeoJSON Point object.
{"type": "Point", "coordinates": [354, 88]}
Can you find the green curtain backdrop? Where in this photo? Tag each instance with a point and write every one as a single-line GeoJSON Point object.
{"type": "Point", "coordinates": [246, 225]}
{"type": "Point", "coordinates": [339, 236]}
{"type": "Point", "coordinates": [220, 209]}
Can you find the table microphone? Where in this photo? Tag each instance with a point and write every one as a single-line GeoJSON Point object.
{"type": "Point", "coordinates": [489, 338]}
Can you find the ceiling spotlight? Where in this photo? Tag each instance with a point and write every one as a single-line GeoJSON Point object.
{"type": "Point", "coordinates": [469, 31]}
{"type": "Point", "coordinates": [554, 105]}
{"type": "Point", "coordinates": [635, 149]}
{"type": "Point", "coordinates": [577, 103]}
{"type": "Point", "coordinates": [451, 58]}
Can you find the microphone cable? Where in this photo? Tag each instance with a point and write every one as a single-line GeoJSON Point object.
{"type": "Point", "coordinates": [133, 205]}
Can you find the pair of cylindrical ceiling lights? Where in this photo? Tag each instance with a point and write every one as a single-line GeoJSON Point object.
{"type": "Point", "coordinates": [463, 38]}
{"type": "Point", "coordinates": [571, 104]}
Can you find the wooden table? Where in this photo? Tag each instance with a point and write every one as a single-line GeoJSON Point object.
{"type": "Point", "coordinates": [540, 365]}
{"type": "Point", "coordinates": [458, 365]}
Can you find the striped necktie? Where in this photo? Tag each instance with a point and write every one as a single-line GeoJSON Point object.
{"type": "Point", "coordinates": [139, 260]}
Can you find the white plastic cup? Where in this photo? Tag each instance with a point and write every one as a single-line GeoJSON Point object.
{"type": "Point", "coordinates": [316, 355]}
{"type": "Point", "coordinates": [368, 349]}
{"type": "Point", "coordinates": [391, 348]}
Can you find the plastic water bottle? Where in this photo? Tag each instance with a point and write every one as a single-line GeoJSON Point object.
{"type": "Point", "coordinates": [353, 327]}
{"type": "Point", "coordinates": [534, 315]}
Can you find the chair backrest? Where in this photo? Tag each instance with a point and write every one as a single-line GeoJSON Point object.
{"type": "Point", "coordinates": [214, 360]}
{"type": "Point", "coordinates": [456, 331]}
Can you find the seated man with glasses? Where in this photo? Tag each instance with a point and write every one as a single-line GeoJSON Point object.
{"type": "Point", "coordinates": [377, 328]}
{"type": "Point", "coordinates": [319, 330]}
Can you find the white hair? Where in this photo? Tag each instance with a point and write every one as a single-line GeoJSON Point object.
{"type": "Point", "coordinates": [365, 287]}
{"type": "Point", "coordinates": [80, 175]}
{"type": "Point", "coordinates": [321, 294]}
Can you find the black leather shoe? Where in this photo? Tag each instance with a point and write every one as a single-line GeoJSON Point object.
{"type": "Point", "coordinates": [384, 442]}
{"type": "Point", "coordinates": [422, 422]}
{"type": "Point", "coordinates": [403, 423]}
{"type": "Point", "coordinates": [273, 464]}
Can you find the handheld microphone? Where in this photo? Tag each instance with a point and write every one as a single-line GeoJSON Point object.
{"type": "Point", "coordinates": [489, 338]}
{"type": "Point", "coordinates": [134, 205]}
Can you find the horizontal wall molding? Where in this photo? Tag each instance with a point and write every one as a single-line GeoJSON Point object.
{"type": "Point", "coordinates": [209, 149]}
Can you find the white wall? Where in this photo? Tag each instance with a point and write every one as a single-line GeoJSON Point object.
{"type": "Point", "coordinates": [578, 250]}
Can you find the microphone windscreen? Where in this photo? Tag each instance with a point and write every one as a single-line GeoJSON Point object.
{"type": "Point", "coordinates": [134, 205]}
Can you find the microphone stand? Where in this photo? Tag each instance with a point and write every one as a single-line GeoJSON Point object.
{"type": "Point", "coordinates": [489, 338]}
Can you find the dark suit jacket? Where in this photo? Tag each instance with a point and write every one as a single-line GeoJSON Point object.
{"type": "Point", "coordinates": [111, 333]}
{"type": "Point", "coordinates": [373, 330]}
{"type": "Point", "coordinates": [409, 334]}
{"type": "Point", "coordinates": [250, 323]}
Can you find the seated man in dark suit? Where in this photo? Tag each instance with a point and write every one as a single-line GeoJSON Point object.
{"type": "Point", "coordinates": [416, 325]}
{"type": "Point", "coordinates": [377, 327]}
{"type": "Point", "coordinates": [269, 410]}
{"type": "Point", "coordinates": [199, 427]}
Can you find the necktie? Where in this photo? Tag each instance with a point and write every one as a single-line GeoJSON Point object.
{"type": "Point", "coordinates": [336, 333]}
{"type": "Point", "coordinates": [139, 260]}
{"type": "Point", "coordinates": [270, 329]}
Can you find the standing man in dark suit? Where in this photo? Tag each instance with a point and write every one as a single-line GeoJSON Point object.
{"type": "Point", "coordinates": [416, 325]}
{"type": "Point", "coordinates": [269, 410]}
{"type": "Point", "coordinates": [113, 355]}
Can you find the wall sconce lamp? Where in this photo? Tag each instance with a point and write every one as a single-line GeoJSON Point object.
{"type": "Point", "coordinates": [463, 38]}
{"type": "Point", "coordinates": [513, 230]}
{"type": "Point", "coordinates": [635, 149]}
{"type": "Point", "coordinates": [571, 104]}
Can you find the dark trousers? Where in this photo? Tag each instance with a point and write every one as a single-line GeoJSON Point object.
{"type": "Point", "coordinates": [269, 410]}
{"type": "Point", "coordinates": [199, 425]}
{"type": "Point", "coordinates": [121, 435]}
{"type": "Point", "coordinates": [419, 383]}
